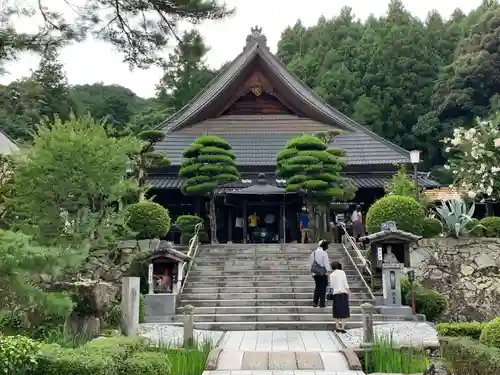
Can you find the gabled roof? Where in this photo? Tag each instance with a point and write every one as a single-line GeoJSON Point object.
{"type": "Point", "coordinates": [256, 47]}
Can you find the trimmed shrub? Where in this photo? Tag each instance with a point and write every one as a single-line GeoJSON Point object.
{"type": "Point", "coordinates": [405, 211]}
{"type": "Point", "coordinates": [467, 329]}
{"type": "Point", "coordinates": [429, 302]}
{"type": "Point", "coordinates": [470, 357]}
{"type": "Point", "coordinates": [148, 219]}
{"type": "Point", "coordinates": [18, 355]}
{"type": "Point", "coordinates": [491, 226]}
{"type": "Point", "coordinates": [431, 227]}
{"type": "Point", "coordinates": [474, 229]}
{"type": "Point", "coordinates": [491, 333]}
{"type": "Point", "coordinates": [147, 363]}
{"type": "Point", "coordinates": [186, 224]}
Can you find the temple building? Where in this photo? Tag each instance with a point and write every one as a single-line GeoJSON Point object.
{"type": "Point", "coordinates": [257, 105]}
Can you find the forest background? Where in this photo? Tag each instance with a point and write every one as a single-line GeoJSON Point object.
{"type": "Point", "coordinates": [409, 80]}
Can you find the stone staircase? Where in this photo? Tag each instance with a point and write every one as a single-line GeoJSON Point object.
{"type": "Point", "coordinates": [262, 287]}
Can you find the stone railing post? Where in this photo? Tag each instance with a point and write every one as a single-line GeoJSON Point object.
{"type": "Point", "coordinates": [367, 310]}
{"type": "Point", "coordinates": [188, 325]}
{"type": "Point", "coordinates": [130, 305]}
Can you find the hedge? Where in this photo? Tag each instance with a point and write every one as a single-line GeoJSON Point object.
{"type": "Point", "coordinates": [491, 226]}
{"type": "Point", "coordinates": [431, 227]}
{"type": "Point", "coordinates": [470, 357]}
{"type": "Point", "coordinates": [18, 355]}
{"type": "Point", "coordinates": [406, 212]}
{"type": "Point", "coordinates": [491, 333]}
{"type": "Point", "coordinates": [467, 329]}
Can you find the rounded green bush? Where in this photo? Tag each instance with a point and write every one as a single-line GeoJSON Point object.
{"type": "Point", "coordinates": [462, 329]}
{"type": "Point", "coordinates": [474, 229]}
{"type": "Point", "coordinates": [431, 227]}
{"type": "Point", "coordinates": [148, 219]}
{"type": "Point", "coordinates": [491, 226]}
{"type": "Point", "coordinates": [490, 335]}
{"type": "Point", "coordinates": [148, 363]}
{"type": "Point", "coordinates": [428, 302]}
{"type": "Point", "coordinates": [186, 223]}
{"type": "Point", "coordinates": [406, 212]}
{"type": "Point", "coordinates": [18, 354]}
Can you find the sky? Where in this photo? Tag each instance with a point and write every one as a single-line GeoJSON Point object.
{"type": "Point", "coordinates": [96, 61]}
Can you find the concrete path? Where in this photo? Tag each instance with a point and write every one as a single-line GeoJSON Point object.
{"type": "Point", "coordinates": [418, 334]}
{"type": "Point", "coordinates": [263, 352]}
{"type": "Point", "coordinates": [281, 353]}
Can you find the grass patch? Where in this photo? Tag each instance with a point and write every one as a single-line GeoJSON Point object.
{"type": "Point", "coordinates": [386, 357]}
{"type": "Point", "coordinates": [189, 360]}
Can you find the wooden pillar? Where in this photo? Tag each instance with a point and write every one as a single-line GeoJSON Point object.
{"type": "Point", "coordinates": [230, 225]}
{"type": "Point", "coordinates": [197, 206]}
{"type": "Point", "coordinates": [282, 221]}
{"type": "Point", "coordinates": [245, 221]}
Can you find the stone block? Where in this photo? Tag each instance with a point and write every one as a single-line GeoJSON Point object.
{"type": "Point", "coordinates": [282, 361]}
{"type": "Point", "coordinates": [309, 361]}
{"type": "Point", "coordinates": [255, 361]}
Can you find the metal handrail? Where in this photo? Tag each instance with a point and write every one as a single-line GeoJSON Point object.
{"type": "Point", "coordinates": [193, 246]}
{"type": "Point", "coordinates": [366, 263]}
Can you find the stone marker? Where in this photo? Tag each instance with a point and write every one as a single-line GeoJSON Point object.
{"type": "Point", "coordinates": [367, 310]}
{"type": "Point", "coordinates": [130, 305]}
{"type": "Point", "coordinates": [188, 325]}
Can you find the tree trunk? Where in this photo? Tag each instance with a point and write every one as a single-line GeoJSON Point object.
{"type": "Point", "coordinates": [213, 221]}
{"type": "Point", "coordinates": [312, 221]}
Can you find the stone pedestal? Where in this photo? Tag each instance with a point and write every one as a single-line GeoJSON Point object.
{"type": "Point", "coordinates": [391, 287]}
{"type": "Point", "coordinates": [130, 305]}
{"type": "Point", "coordinates": [159, 307]}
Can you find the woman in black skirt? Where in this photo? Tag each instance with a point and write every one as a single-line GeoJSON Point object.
{"type": "Point", "coordinates": [340, 291]}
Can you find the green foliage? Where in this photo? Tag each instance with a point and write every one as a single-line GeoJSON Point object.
{"type": "Point", "coordinates": [114, 317]}
{"type": "Point", "coordinates": [207, 164]}
{"type": "Point", "coordinates": [405, 211]}
{"type": "Point", "coordinates": [147, 363]}
{"type": "Point", "coordinates": [148, 219]}
{"type": "Point", "coordinates": [465, 329]}
{"type": "Point", "coordinates": [186, 224]}
{"type": "Point", "coordinates": [186, 72]}
{"type": "Point", "coordinates": [431, 227]}
{"type": "Point", "coordinates": [18, 355]}
{"type": "Point", "coordinates": [491, 333]}
{"type": "Point", "coordinates": [468, 356]}
{"type": "Point", "coordinates": [386, 357]}
{"type": "Point", "coordinates": [428, 302]}
{"type": "Point", "coordinates": [311, 167]}
{"type": "Point", "coordinates": [65, 184]}
{"type": "Point", "coordinates": [475, 228]}
{"type": "Point", "coordinates": [401, 184]}
{"type": "Point", "coordinates": [21, 262]}
{"type": "Point", "coordinates": [491, 226]}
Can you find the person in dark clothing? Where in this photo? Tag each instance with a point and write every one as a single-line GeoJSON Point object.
{"type": "Point", "coordinates": [320, 267]}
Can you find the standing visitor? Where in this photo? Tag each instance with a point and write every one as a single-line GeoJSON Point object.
{"type": "Point", "coordinates": [340, 290]}
{"type": "Point", "coordinates": [238, 224]}
{"type": "Point", "coordinates": [358, 229]}
{"type": "Point", "coordinates": [253, 223]}
{"type": "Point", "coordinates": [304, 226]}
{"type": "Point", "coordinates": [320, 267]}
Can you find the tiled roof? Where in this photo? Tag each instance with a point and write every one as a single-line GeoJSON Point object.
{"type": "Point", "coordinates": [360, 180]}
{"type": "Point", "coordinates": [261, 149]}
{"type": "Point", "coordinates": [370, 148]}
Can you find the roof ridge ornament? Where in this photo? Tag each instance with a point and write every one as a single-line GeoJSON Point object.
{"type": "Point", "coordinates": [256, 36]}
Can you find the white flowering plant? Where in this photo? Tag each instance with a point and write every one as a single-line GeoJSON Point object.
{"type": "Point", "coordinates": [474, 159]}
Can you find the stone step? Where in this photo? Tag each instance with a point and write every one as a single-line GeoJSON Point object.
{"type": "Point", "coordinates": [325, 317]}
{"type": "Point", "coordinates": [229, 289]}
{"type": "Point", "coordinates": [251, 277]}
{"type": "Point", "coordinates": [244, 310]}
{"type": "Point", "coordinates": [271, 325]}
{"type": "Point", "coordinates": [265, 296]}
{"type": "Point", "coordinates": [289, 273]}
{"type": "Point", "coordinates": [252, 302]}
{"type": "Point", "coordinates": [252, 282]}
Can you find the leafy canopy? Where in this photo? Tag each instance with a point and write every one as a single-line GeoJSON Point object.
{"type": "Point", "coordinates": [22, 264]}
{"type": "Point", "coordinates": [311, 167]}
{"type": "Point", "coordinates": [207, 164]}
{"type": "Point", "coordinates": [66, 185]}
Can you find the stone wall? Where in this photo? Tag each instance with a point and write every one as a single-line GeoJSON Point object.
{"type": "Point", "coordinates": [467, 271]}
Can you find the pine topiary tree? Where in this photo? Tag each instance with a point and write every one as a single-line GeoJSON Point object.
{"type": "Point", "coordinates": [314, 170]}
{"type": "Point", "coordinates": [208, 164]}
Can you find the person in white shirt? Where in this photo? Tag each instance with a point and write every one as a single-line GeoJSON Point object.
{"type": "Point", "coordinates": [320, 267]}
{"type": "Point", "coordinates": [358, 229]}
{"type": "Point", "coordinates": [340, 290]}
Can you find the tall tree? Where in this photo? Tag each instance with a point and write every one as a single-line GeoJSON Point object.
{"type": "Point", "coordinates": [313, 169]}
{"type": "Point", "coordinates": [208, 164]}
{"type": "Point", "coordinates": [66, 185]}
{"type": "Point", "coordinates": [185, 73]}
{"type": "Point", "coordinates": [139, 29]}
{"type": "Point", "coordinates": [52, 78]}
